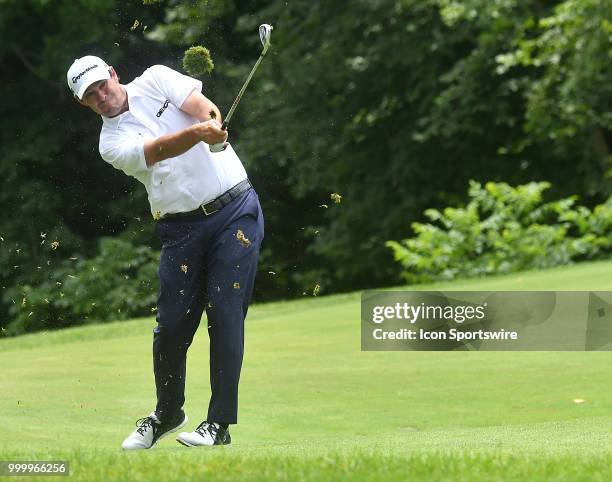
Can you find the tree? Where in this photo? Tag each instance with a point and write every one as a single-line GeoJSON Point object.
{"type": "Point", "coordinates": [568, 53]}
{"type": "Point", "coordinates": [57, 195]}
{"type": "Point", "coordinates": [395, 105]}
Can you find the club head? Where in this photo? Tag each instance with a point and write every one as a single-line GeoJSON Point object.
{"type": "Point", "coordinates": [265, 31]}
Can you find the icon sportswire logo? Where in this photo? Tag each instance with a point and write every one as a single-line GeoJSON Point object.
{"type": "Point", "coordinates": [76, 78]}
{"type": "Point", "coordinates": [163, 108]}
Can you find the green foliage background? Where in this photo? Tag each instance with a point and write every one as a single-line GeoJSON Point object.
{"type": "Point", "coordinates": [394, 104]}
{"type": "Point", "coordinates": [504, 230]}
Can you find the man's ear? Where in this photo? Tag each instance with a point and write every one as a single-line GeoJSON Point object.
{"type": "Point", "coordinates": [113, 73]}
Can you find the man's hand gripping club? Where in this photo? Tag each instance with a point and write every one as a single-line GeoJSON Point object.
{"type": "Point", "coordinates": [209, 131]}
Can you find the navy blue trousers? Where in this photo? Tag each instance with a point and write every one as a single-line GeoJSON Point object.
{"type": "Point", "coordinates": [205, 264]}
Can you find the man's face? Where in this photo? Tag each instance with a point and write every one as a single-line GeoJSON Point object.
{"type": "Point", "coordinates": [105, 97]}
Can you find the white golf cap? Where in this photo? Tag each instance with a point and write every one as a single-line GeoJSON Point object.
{"type": "Point", "coordinates": [85, 71]}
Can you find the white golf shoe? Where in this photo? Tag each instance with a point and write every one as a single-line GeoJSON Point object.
{"type": "Point", "coordinates": [206, 434]}
{"type": "Point", "coordinates": [151, 429]}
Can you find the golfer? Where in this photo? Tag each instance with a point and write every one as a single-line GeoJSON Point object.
{"type": "Point", "coordinates": [158, 129]}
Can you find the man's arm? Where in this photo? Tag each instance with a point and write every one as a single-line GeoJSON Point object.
{"type": "Point", "coordinates": [172, 145]}
{"type": "Point", "coordinates": [200, 107]}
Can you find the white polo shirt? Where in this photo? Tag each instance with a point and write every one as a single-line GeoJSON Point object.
{"type": "Point", "coordinates": [178, 184]}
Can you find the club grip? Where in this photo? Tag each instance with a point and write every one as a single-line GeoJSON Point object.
{"type": "Point", "coordinates": [221, 145]}
{"type": "Point", "coordinates": [218, 147]}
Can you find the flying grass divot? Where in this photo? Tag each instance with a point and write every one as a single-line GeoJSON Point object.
{"type": "Point", "coordinates": [197, 61]}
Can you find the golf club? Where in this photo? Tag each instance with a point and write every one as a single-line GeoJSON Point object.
{"type": "Point", "coordinates": [265, 31]}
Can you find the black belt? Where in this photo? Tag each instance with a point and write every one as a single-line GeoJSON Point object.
{"type": "Point", "coordinates": [217, 203]}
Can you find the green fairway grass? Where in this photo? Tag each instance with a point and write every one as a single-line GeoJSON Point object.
{"type": "Point", "coordinates": [313, 406]}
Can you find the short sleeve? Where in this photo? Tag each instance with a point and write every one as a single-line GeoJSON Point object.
{"type": "Point", "coordinates": [174, 85]}
{"type": "Point", "coordinates": [124, 152]}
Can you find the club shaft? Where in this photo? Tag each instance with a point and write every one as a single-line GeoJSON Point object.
{"type": "Point", "coordinates": [239, 96]}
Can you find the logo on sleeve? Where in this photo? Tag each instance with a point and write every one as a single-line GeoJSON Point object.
{"type": "Point", "coordinates": [163, 108]}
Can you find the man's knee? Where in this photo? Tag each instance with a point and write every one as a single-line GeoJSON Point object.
{"type": "Point", "coordinates": [173, 334]}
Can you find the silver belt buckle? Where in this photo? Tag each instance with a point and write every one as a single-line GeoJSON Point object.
{"type": "Point", "coordinates": [208, 213]}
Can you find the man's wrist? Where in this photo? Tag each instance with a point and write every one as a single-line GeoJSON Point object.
{"type": "Point", "coordinates": [197, 133]}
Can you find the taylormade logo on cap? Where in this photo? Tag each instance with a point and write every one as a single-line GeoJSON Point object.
{"type": "Point", "coordinates": [85, 71]}
{"type": "Point", "coordinates": [74, 79]}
